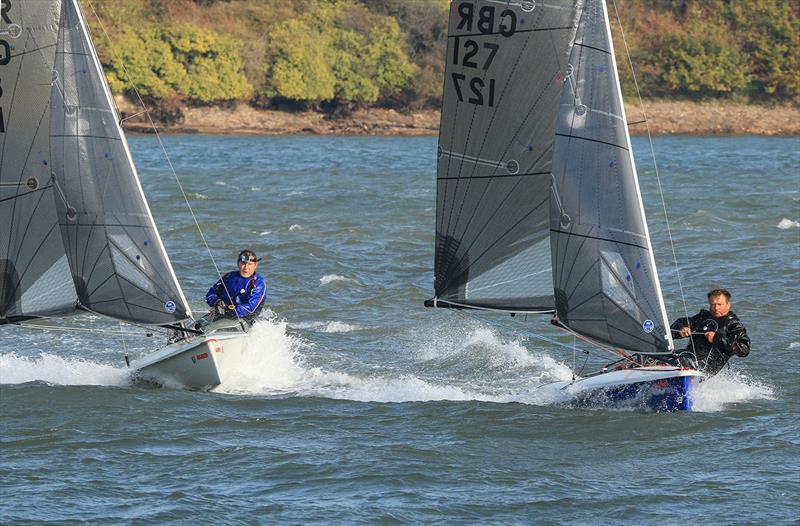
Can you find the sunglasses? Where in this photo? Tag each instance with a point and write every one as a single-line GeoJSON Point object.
{"type": "Point", "coordinates": [245, 259]}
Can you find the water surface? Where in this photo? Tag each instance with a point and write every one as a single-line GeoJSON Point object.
{"type": "Point", "coordinates": [361, 406]}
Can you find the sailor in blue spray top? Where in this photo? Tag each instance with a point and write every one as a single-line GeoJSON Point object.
{"type": "Point", "coordinates": [239, 294]}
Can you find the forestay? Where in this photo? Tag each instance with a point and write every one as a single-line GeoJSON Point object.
{"type": "Point", "coordinates": [506, 63]}
{"type": "Point", "coordinates": [605, 279]}
{"type": "Point", "coordinates": [78, 224]}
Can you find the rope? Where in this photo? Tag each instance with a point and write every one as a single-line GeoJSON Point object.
{"type": "Point", "coordinates": [163, 149]}
{"type": "Point", "coordinates": [655, 163]}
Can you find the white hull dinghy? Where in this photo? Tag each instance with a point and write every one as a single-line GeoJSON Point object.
{"type": "Point", "coordinates": [78, 234]}
{"type": "Point", "coordinates": [539, 209]}
{"type": "Point", "coordinates": [199, 362]}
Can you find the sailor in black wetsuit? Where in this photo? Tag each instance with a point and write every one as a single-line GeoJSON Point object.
{"type": "Point", "coordinates": [712, 344]}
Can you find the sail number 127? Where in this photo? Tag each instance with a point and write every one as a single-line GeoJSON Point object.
{"type": "Point", "coordinates": [477, 90]}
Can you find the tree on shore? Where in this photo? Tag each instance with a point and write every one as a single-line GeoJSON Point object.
{"type": "Point", "coordinates": [337, 55]}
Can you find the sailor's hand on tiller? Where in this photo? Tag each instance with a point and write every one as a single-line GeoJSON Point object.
{"type": "Point", "coordinates": [710, 336]}
{"type": "Point", "coordinates": [685, 332]}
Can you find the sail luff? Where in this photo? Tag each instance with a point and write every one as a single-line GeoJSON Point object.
{"type": "Point", "coordinates": [112, 105]}
{"type": "Point", "coordinates": [650, 254]}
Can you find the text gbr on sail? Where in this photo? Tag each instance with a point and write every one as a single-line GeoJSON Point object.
{"type": "Point", "coordinates": [471, 54]}
{"type": "Point", "coordinates": [5, 56]}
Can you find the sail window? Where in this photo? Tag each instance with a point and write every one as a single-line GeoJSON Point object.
{"type": "Point", "coordinates": [128, 270]}
{"type": "Point", "coordinates": [617, 282]}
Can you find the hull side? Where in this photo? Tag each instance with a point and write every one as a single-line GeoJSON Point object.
{"type": "Point", "coordinates": [663, 389]}
{"type": "Point", "coordinates": [197, 365]}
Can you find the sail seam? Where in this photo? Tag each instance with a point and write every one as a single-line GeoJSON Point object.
{"type": "Point", "coordinates": [592, 47]}
{"type": "Point", "coordinates": [527, 174]}
{"type": "Point", "coordinates": [32, 50]}
{"type": "Point", "coordinates": [472, 306]}
{"type": "Point", "coordinates": [496, 33]}
{"type": "Point", "coordinates": [591, 140]}
{"type": "Point", "coordinates": [23, 195]}
{"type": "Point", "coordinates": [79, 136]}
{"type": "Point", "coordinates": [598, 238]}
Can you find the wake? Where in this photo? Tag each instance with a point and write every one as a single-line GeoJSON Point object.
{"type": "Point", "coordinates": [454, 363]}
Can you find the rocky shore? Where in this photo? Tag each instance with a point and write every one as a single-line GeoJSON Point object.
{"type": "Point", "coordinates": [663, 118]}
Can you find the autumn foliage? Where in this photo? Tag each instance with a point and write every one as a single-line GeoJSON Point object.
{"type": "Point", "coordinates": [335, 54]}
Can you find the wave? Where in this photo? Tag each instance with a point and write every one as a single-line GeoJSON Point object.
{"type": "Point", "coordinates": [278, 365]}
{"type": "Point", "coordinates": [58, 370]}
{"type": "Point", "coordinates": [456, 363]}
{"type": "Point", "coordinates": [330, 278]}
{"type": "Point", "coordinates": [295, 227]}
{"type": "Point", "coordinates": [330, 326]}
{"type": "Point", "coordinates": [265, 233]}
{"type": "Point", "coordinates": [483, 347]}
{"type": "Point", "coordinates": [729, 387]}
{"type": "Point", "coordinates": [786, 224]}
{"type": "Point", "coordinates": [196, 195]}
{"type": "Point", "coordinates": [702, 220]}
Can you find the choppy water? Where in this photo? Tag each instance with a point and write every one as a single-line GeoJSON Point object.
{"type": "Point", "coordinates": [361, 406]}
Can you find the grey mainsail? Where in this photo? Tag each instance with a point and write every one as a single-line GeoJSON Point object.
{"type": "Point", "coordinates": [506, 61]}
{"type": "Point", "coordinates": [605, 280]}
{"type": "Point", "coordinates": [35, 279]}
{"type": "Point", "coordinates": [115, 256]}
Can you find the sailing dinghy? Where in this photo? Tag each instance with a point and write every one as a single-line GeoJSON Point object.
{"type": "Point", "coordinates": [538, 202]}
{"type": "Point", "coordinates": [76, 232]}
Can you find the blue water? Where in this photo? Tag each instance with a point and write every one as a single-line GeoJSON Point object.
{"type": "Point", "coordinates": [363, 407]}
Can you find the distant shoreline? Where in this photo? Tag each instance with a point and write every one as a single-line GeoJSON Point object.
{"type": "Point", "coordinates": [663, 118]}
